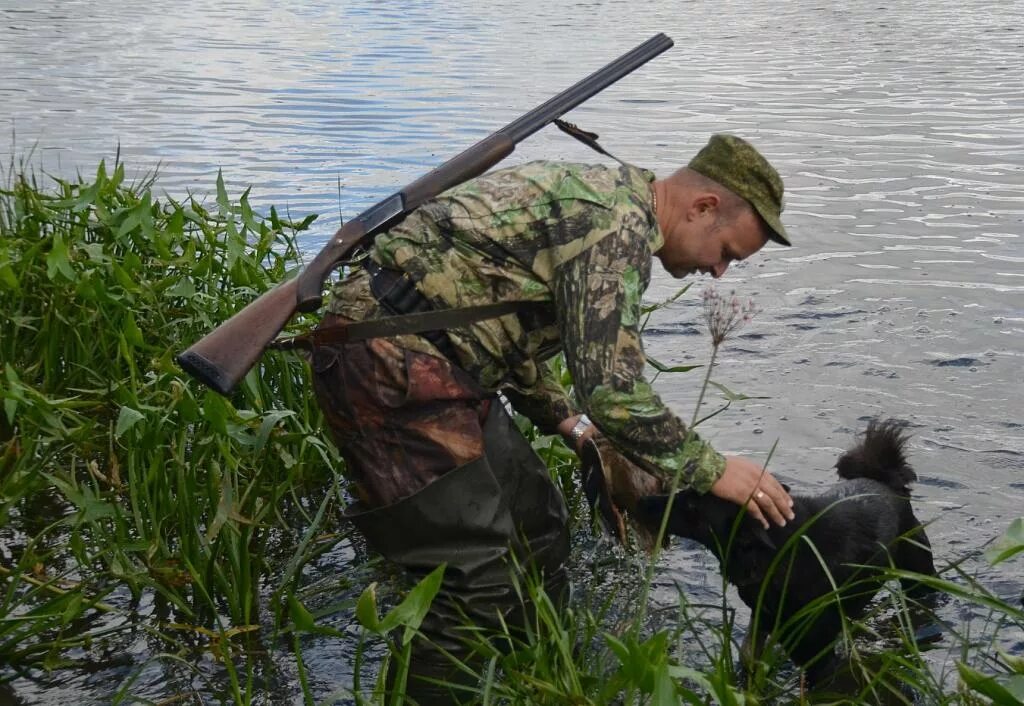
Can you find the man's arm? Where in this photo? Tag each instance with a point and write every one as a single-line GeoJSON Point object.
{"type": "Point", "coordinates": [546, 404]}
{"type": "Point", "coordinates": [598, 296]}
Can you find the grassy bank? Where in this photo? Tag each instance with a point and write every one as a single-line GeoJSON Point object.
{"type": "Point", "coordinates": [135, 502]}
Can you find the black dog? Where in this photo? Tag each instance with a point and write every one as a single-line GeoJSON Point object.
{"type": "Point", "coordinates": [861, 524]}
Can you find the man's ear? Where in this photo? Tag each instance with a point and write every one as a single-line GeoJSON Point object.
{"type": "Point", "coordinates": [704, 204]}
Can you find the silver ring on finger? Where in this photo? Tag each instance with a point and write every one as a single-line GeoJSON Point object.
{"type": "Point", "coordinates": [759, 494]}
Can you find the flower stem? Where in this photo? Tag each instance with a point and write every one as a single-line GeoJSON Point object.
{"type": "Point", "coordinates": [663, 527]}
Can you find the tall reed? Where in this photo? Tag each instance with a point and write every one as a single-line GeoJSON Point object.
{"type": "Point", "coordinates": [171, 488]}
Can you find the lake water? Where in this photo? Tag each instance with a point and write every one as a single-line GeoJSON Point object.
{"type": "Point", "coordinates": [897, 127]}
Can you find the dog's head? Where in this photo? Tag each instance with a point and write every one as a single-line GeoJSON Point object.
{"type": "Point", "coordinates": [740, 542]}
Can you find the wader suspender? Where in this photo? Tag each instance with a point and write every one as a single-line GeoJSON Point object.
{"type": "Point", "coordinates": [416, 316]}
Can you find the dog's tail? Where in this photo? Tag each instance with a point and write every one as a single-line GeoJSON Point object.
{"type": "Point", "coordinates": [880, 456]}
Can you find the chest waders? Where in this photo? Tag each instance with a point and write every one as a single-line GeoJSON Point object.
{"type": "Point", "coordinates": [472, 518]}
{"type": "Point", "coordinates": [399, 417]}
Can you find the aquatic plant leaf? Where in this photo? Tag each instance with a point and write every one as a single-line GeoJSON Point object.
{"type": "Point", "coordinates": [304, 620]}
{"type": "Point", "coordinates": [411, 611]}
{"type": "Point", "coordinates": [734, 396]}
{"type": "Point", "coordinates": [1009, 544]}
{"type": "Point", "coordinates": [57, 261]}
{"type": "Point", "coordinates": [366, 609]}
{"type": "Point", "coordinates": [225, 507]}
{"type": "Point", "coordinates": [90, 506]}
{"type": "Point", "coordinates": [689, 674]}
{"type": "Point", "coordinates": [126, 419]}
{"type": "Point", "coordinates": [662, 368]}
{"type": "Point", "coordinates": [270, 421]}
{"type": "Point", "coordinates": [408, 614]}
{"type": "Point", "coordinates": [664, 693]}
{"type": "Point", "coordinates": [132, 332]}
{"type": "Point", "coordinates": [8, 280]}
{"type": "Point", "coordinates": [222, 195]}
{"type": "Point", "coordinates": [991, 686]}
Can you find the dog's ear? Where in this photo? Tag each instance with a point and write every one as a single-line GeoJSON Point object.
{"type": "Point", "coordinates": [650, 509]}
{"type": "Point", "coordinates": [751, 553]}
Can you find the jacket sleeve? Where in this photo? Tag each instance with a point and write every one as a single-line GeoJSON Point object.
{"type": "Point", "coordinates": [545, 404]}
{"type": "Point", "coordinates": [598, 297]}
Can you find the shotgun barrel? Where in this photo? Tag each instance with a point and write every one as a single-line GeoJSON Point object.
{"type": "Point", "coordinates": [223, 357]}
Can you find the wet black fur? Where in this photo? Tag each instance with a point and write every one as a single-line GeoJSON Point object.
{"type": "Point", "coordinates": [865, 520]}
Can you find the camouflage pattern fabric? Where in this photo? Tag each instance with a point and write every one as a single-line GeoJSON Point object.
{"type": "Point", "coordinates": [576, 242]}
{"type": "Point", "coordinates": [401, 418]}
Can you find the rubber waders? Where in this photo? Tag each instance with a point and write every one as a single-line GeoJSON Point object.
{"type": "Point", "coordinates": [470, 518]}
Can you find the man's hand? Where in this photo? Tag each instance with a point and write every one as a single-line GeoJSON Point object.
{"type": "Point", "coordinates": [746, 483]}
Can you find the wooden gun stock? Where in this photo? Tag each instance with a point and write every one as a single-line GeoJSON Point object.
{"type": "Point", "coordinates": [223, 357]}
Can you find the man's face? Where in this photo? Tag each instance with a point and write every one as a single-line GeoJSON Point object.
{"type": "Point", "coordinates": [709, 246]}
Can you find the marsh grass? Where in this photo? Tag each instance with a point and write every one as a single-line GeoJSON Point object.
{"type": "Point", "coordinates": [134, 502]}
{"type": "Point", "coordinates": [161, 487]}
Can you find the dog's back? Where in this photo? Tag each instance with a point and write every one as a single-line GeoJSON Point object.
{"type": "Point", "coordinates": [869, 508]}
{"type": "Point", "coordinates": [862, 521]}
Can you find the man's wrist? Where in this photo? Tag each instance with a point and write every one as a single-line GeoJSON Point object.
{"type": "Point", "coordinates": [576, 429]}
{"type": "Point", "coordinates": [580, 429]}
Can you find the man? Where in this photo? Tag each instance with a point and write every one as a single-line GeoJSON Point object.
{"type": "Point", "coordinates": [442, 474]}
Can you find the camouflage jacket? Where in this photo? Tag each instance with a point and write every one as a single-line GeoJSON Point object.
{"type": "Point", "coordinates": [574, 242]}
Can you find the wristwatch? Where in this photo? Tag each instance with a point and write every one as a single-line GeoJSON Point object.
{"type": "Point", "coordinates": [580, 428]}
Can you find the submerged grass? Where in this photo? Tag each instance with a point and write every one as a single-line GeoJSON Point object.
{"type": "Point", "coordinates": [133, 501]}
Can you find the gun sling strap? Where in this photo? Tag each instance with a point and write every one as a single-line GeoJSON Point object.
{"type": "Point", "coordinates": [411, 312]}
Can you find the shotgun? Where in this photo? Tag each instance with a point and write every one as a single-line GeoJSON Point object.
{"type": "Point", "coordinates": [223, 357]}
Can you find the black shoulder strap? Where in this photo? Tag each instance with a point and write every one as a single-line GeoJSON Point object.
{"type": "Point", "coordinates": [438, 320]}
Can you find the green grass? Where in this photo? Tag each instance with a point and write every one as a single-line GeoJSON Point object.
{"type": "Point", "coordinates": [135, 502]}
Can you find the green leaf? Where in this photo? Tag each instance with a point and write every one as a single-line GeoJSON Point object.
{"type": "Point", "coordinates": [126, 419]}
{"type": "Point", "coordinates": [305, 621]}
{"type": "Point", "coordinates": [411, 611]}
{"type": "Point", "coordinates": [987, 686]}
{"type": "Point", "coordinates": [73, 609]}
{"type": "Point", "coordinates": [662, 368]}
{"type": "Point", "coordinates": [234, 243]}
{"type": "Point", "coordinates": [734, 396]}
{"type": "Point", "coordinates": [215, 412]}
{"type": "Point", "coordinates": [57, 260]}
{"type": "Point", "coordinates": [90, 507]}
{"type": "Point", "coordinates": [270, 420]}
{"type": "Point", "coordinates": [225, 505]}
{"type": "Point", "coordinates": [8, 280]}
{"type": "Point", "coordinates": [664, 693]}
{"type": "Point", "coordinates": [132, 332]}
{"type": "Point", "coordinates": [131, 221]}
{"type": "Point", "coordinates": [1015, 685]}
{"type": "Point", "coordinates": [184, 288]}
{"type": "Point", "coordinates": [222, 195]}
{"type": "Point", "coordinates": [1009, 544]}
{"type": "Point", "coordinates": [366, 609]}
{"type": "Point", "coordinates": [302, 618]}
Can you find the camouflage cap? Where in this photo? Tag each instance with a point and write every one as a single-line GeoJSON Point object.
{"type": "Point", "coordinates": [736, 165]}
